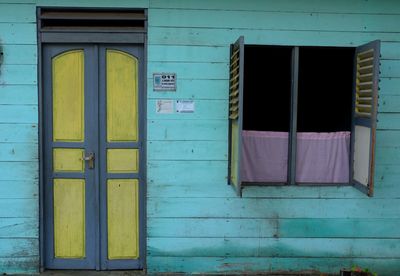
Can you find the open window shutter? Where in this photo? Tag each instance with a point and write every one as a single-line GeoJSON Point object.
{"type": "Point", "coordinates": [236, 113]}
{"type": "Point", "coordinates": [365, 112]}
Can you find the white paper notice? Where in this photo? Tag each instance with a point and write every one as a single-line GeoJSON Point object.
{"type": "Point", "coordinates": [165, 106]}
{"type": "Point", "coordinates": [185, 106]}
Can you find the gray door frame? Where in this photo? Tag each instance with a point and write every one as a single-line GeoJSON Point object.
{"type": "Point", "coordinates": [137, 40]}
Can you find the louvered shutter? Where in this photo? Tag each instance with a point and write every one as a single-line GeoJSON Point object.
{"type": "Point", "coordinates": [236, 113]}
{"type": "Point", "coordinates": [365, 112]}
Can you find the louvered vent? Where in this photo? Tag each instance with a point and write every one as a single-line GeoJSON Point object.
{"type": "Point", "coordinates": [365, 84]}
{"type": "Point", "coordinates": [234, 83]}
{"type": "Point", "coordinates": [67, 19]}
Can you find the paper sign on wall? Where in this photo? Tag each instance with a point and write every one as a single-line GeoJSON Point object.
{"type": "Point", "coordinates": [185, 106]}
{"type": "Point", "coordinates": [164, 81]}
{"type": "Point", "coordinates": [165, 106]}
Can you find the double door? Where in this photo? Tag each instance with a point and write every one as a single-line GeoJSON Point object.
{"type": "Point", "coordinates": [93, 156]}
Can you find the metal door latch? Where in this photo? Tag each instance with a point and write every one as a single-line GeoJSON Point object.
{"type": "Point", "coordinates": [90, 158]}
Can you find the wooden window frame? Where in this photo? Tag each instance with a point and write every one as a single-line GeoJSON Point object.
{"type": "Point", "coordinates": [361, 119]}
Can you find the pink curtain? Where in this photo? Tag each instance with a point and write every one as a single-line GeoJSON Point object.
{"type": "Point", "coordinates": [321, 157]}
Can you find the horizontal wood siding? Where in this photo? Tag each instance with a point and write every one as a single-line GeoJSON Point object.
{"type": "Point", "coordinates": [262, 264]}
{"type": "Point", "coordinates": [196, 223]}
{"type": "Point", "coordinates": [19, 174]}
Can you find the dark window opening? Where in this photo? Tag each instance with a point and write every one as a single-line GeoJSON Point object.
{"type": "Point", "coordinates": [325, 89]}
{"type": "Point", "coordinates": [267, 85]}
{"type": "Point", "coordinates": [324, 81]}
{"type": "Point", "coordinates": [109, 24]}
{"type": "Point", "coordinates": [59, 19]}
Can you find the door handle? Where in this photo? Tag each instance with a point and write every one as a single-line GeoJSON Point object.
{"type": "Point", "coordinates": [90, 159]}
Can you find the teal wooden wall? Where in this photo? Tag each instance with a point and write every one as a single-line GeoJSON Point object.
{"type": "Point", "coordinates": [19, 245]}
{"type": "Point", "coordinates": [195, 221]}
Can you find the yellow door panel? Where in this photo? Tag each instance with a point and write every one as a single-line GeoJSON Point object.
{"type": "Point", "coordinates": [69, 218]}
{"type": "Point", "coordinates": [122, 94]}
{"type": "Point", "coordinates": [68, 96]}
{"type": "Point", "coordinates": [68, 160]}
{"type": "Point", "coordinates": [123, 219]}
{"type": "Point", "coordinates": [122, 160]}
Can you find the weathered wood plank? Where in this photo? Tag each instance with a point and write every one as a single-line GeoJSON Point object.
{"type": "Point", "coordinates": [390, 69]}
{"type": "Point", "coordinates": [389, 86]}
{"type": "Point", "coordinates": [262, 20]}
{"type": "Point", "coordinates": [19, 170]}
{"type": "Point", "coordinates": [385, 170]}
{"type": "Point", "coordinates": [193, 130]}
{"type": "Point", "coordinates": [171, 171]}
{"type": "Point", "coordinates": [193, 89]}
{"type": "Point", "coordinates": [187, 150]}
{"type": "Point", "coordinates": [387, 138]}
{"type": "Point", "coordinates": [19, 189]}
{"type": "Point", "coordinates": [19, 208]}
{"type": "Point", "coordinates": [198, 186]}
{"type": "Point", "coordinates": [273, 208]}
{"type": "Point", "coordinates": [20, 265]}
{"type": "Point", "coordinates": [274, 247]}
{"type": "Point", "coordinates": [18, 151]}
{"type": "Point", "coordinates": [18, 13]}
{"type": "Point", "coordinates": [179, 53]}
{"type": "Point", "coordinates": [18, 94]}
{"type": "Point", "coordinates": [24, 247]}
{"type": "Point", "coordinates": [99, 3]}
{"type": "Point", "coordinates": [25, 114]}
{"type": "Point", "coordinates": [272, 228]}
{"type": "Point", "coordinates": [386, 188]}
{"type": "Point", "coordinates": [191, 150]}
{"type": "Point", "coordinates": [18, 33]}
{"type": "Point", "coordinates": [22, 2]}
{"type": "Point", "coordinates": [387, 174]}
{"type": "Point", "coordinates": [383, 266]}
{"type": "Point", "coordinates": [185, 70]}
{"type": "Point", "coordinates": [388, 121]}
{"type": "Point", "coordinates": [19, 228]}
{"type": "Point", "coordinates": [202, 187]}
{"type": "Point", "coordinates": [223, 37]}
{"type": "Point", "coordinates": [20, 54]}
{"type": "Point", "coordinates": [218, 89]}
{"type": "Point", "coordinates": [184, 53]}
{"type": "Point", "coordinates": [204, 110]}
{"type": "Point", "coordinates": [209, 178]}
{"type": "Point", "coordinates": [340, 6]}
{"type": "Point", "coordinates": [18, 74]}
{"type": "Point", "coordinates": [387, 155]}
{"type": "Point", "coordinates": [389, 103]}
{"type": "Point", "coordinates": [18, 133]}
{"type": "Point", "coordinates": [196, 70]}
{"type": "Point", "coordinates": [390, 50]}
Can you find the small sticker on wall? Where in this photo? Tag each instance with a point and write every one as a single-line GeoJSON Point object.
{"type": "Point", "coordinates": [184, 106]}
{"type": "Point", "coordinates": [165, 106]}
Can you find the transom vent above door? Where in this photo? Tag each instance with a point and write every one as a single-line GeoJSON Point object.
{"type": "Point", "coordinates": [93, 20]}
